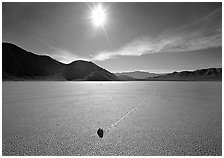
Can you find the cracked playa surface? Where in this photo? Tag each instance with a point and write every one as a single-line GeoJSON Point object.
{"type": "Point", "coordinates": [61, 118]}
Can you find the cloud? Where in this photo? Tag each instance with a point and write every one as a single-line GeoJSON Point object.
{"type": "Point", "coordinates": [63, 55]}
{"type": "Point", "coordinates": [202, 34]}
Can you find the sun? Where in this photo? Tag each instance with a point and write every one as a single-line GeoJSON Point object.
{"type": "Point", "coordinates": [98, 15]}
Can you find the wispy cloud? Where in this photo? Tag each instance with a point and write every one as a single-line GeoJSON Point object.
{"type": "Point", "coordinates": [202, 34]}
{"type": "Point", "coordinates": [63, 55]}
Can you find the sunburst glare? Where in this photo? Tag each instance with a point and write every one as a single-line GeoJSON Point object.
{"type": "Point", "coordinates": [98, 15]}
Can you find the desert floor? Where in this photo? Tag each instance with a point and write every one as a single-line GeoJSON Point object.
{"type": "Point", "coordinates": [140, 118]}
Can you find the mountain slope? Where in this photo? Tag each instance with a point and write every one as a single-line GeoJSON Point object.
{"type": "Point", "coordinates": [18, 64]}
{"type": "Point", "coordinates": [79, 70]}
{"type": "Point", "coordinates": [211, 74]}
{"type": "Point", "coordinates": [126, 78]}
{"type": "Point", "coordinates": [137, 74]}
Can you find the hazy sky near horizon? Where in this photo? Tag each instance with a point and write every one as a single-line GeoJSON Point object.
{"type": "Point", "coordinates": [156, 37]}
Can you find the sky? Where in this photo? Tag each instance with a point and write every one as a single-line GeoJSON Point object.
{"type": "Point", "coordinates": [145, 36]}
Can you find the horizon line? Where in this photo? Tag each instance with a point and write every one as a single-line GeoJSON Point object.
{"type": "Point", "coordinates": [146, 71]}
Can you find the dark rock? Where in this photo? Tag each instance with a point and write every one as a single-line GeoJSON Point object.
{"type": "Point", "coordinates": [100, 132]}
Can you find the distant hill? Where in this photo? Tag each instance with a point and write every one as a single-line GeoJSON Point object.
{"type": "Point", "coordinates": [19, 64]}
{"type": "Point", "coordinates": [83, 70]}
{"type": "Point", "coordinates": [137, 74]}
{"type": "Point", "coordinates": [210, 74]}
{"type": "Point", "coordinates": [126, 78]}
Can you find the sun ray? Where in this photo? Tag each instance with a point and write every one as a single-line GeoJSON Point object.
{"type": "Point", "coordinates": [98, 15]}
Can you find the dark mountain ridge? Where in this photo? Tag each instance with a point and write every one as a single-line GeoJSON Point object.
{"type": "Point", "coordinates": [19, 64]}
